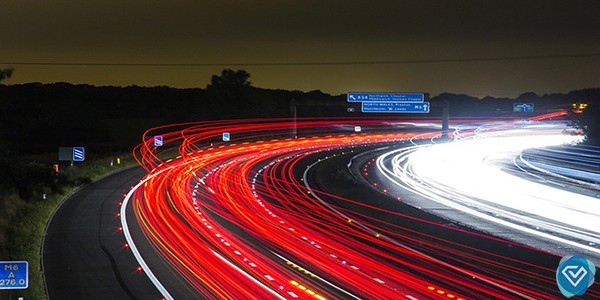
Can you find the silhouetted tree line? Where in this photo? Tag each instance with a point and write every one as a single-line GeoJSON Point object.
{"type": "Point", "coordinates": [39, 118]}
{"type": "Point", "coordinates": [588, 119]}
{"type": "Point", "coordinates": [465, 105]}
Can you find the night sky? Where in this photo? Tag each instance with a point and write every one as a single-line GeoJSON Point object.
{"type": "Point", "coordinates": [499, 48]}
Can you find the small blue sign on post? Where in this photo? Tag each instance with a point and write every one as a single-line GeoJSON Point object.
{"type": "Point", "coordinates": [158, 140]}
{"type": "Point", "coordinates": [395, 107]}
{"type": "Point", "coordinates": [523, 107]}
{"type": "Point", "coordinates": [385, 97]}
{"type": "Point", "coordinates": [226, 137]}
{"type": "Point", "coordinates": [14, 274]}
{"type": "Point", "coordinates": [78, 153]}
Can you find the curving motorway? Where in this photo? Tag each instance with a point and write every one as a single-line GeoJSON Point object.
{"type": "Point", "coordinates": [265, 216]}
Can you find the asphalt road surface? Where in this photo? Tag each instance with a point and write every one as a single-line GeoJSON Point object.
{"type": "Point", "coordinates": [84, 256]}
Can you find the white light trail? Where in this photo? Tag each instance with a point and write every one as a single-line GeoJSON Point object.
{"type": "Point", "coordinates": [462, 175]}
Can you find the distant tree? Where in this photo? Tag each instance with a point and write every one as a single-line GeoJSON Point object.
{"type": "Point", "coordinates": [6, 73]}
{"type": "Point", "coordinates": [529, 96]}
{"type": "Point", "coordinates": [230, 79]}
{"type": "Point", "coordinates": [589, 122]}
{"type": "Point", "coordinates": [229, 95]}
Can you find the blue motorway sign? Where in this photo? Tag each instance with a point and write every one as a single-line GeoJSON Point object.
{"type": "Point", "coordinates": [523, 107]}
{"type": "Point", "coordinates": [385, 97]}
{"type": "Point", "coordinates": [226, 137]}
{"type": "Point", "coordinates": [395, 107]}
{"type": "Point", "coordinates": [78, 153]}
{"type": "Point", "coordinates": [158, 140]}
{"type": "Point", "coordinates": [14, 274]}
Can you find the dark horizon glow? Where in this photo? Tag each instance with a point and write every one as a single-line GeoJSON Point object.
{"type": "Point", "coordinates": [500, 48]}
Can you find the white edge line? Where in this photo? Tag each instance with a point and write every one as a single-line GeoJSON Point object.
{"type": "Point", "coordinates": [143, 264]}
{"type": "Point", "coordinates": [132, 246]}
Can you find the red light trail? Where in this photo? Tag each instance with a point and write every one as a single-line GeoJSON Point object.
{"type": "Point", "coordinates": [236, 221]}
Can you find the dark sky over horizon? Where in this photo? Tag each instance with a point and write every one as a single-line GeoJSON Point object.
{"type": "Point", "coordinates": [436, 44]}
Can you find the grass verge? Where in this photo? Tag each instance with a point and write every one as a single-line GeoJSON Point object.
{"type": "Point", "coordinates": [23, 222]}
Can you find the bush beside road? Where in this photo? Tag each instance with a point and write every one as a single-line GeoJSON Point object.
{"type": "Point", "coordinates": [29, 195]}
